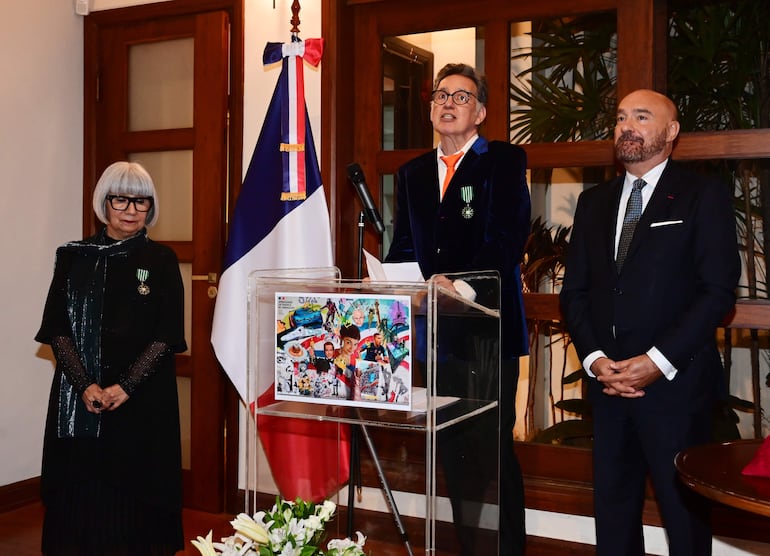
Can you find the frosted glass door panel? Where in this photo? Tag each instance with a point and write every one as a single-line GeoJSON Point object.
{"type": "Point", "coordinates": [160, 85]}
{"type": "Point", "coordinates": [172, 173]}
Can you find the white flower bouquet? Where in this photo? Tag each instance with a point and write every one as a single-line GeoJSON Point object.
{"type": "Point", "coordinates": [288, 529]}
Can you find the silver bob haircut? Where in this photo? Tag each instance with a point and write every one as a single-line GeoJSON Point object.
{"type": "Point", "coordinates": [125, 178]}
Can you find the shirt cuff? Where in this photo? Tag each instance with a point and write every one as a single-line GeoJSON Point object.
{"type": "Point", "coordinates": [465, 290]}
{"type": "Point", "coordinates": [665, 366]}
{"type": "Point", "coordinates": [589, 360]}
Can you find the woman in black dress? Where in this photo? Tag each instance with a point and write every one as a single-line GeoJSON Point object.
{"type": "Point", "coordinates": [111, 470]}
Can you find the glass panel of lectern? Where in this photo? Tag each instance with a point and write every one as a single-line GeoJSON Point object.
{"type": "Point", "coordinates": [392, 387]}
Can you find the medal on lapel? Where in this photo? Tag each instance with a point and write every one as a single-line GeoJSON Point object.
{"type": "Point", "coordinates": [466, 193]}
{"type": "Point", "coordinates": [142, 275]}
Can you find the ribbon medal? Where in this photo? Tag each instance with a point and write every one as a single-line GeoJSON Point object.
{"type": "Point", "coordinates": [142, 275]}
{"type": "Point", "coordinates": [466, 193]}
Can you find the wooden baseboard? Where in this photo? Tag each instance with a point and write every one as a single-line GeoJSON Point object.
{"type": "Point", "coordinates": [19, 494]}
{"type": "Point", "coordinates": [554, 481]}
{"type": "Point", "coordinates": [541, 546]}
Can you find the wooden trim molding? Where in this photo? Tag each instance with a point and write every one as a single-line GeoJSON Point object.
{"type": "Point", "coordinates": [748, 313]}
{"type": "Point", "coordinates": [19, 494]}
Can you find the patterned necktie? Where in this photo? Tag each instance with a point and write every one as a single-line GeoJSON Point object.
{"type": "Point", "coordinates": [633, 213]}
{"type": "Point", "coordinates": [450, 161]}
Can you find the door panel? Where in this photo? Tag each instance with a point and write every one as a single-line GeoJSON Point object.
{"type": "Point", "coordinates": [161, 84]}
{"type": "Point", "coordinates": [162, 100]}
{"type": "Point", "coordinates": [173, 169]}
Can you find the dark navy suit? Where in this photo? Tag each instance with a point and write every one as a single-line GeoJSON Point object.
{"type": "Point", "coordinates": [675, 288]}
{"type": "Point", "coordinates": [435, 233]}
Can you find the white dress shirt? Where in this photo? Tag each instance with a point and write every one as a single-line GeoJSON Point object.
{"type": "Point", "coordinates": [442, 169]}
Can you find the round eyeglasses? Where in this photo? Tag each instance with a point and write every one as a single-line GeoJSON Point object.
{"type": "Point", "coordinates": [121, 202]}
{"type": "Point", "coordinates": [458, 97]}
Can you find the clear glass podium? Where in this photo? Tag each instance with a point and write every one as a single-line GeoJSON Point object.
{"type": "Point", "coordinates": [393, 387]}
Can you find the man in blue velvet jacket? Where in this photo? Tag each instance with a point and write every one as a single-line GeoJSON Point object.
{"type": "Point", "coordinates": [643, 318]}
{"type": "Point", "coordinates": [465, 206]}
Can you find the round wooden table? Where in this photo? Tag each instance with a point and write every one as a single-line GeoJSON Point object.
{"type": "Point", "coordinates": [714, 470]}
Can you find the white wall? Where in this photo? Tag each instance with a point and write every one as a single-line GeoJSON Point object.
{"type": "Point", "coordinates": [41, 153]}
{"type": "Point", "coordinates": [41, 63]}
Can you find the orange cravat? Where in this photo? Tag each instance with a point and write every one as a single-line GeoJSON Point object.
{"type": "Point", "coordinates": [450, 162]}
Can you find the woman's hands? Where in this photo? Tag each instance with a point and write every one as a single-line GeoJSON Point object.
{"type": "Point", "coordinates": [98, 399]}
{"type": "Point", "coordinates": [114, 396]}
{"type": "Point", "coordinates": [92, 397]}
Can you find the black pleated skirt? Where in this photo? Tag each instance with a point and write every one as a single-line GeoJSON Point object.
{"type": "Point", "coordinates": [93, 518]}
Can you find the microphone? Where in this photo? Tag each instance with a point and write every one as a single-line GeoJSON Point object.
{"type": "Point", "coordinates": [356, 175]}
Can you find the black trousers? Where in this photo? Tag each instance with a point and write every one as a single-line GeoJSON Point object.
{"type": "Point", "coordinates": [631, 443]}
{"type": "Point", "coordinates": [473, 467]}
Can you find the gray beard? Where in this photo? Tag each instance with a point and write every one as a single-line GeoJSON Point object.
{"type": "Point", "coordinates": [629, 150]}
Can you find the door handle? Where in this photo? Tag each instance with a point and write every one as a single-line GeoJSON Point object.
{"type": "Point", "coordinates": [211, 278]}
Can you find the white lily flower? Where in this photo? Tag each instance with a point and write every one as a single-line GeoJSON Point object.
{"type": "Point", "coordinates": [205, 545]}
{"type": "Point", "coordinates": [289, 550]}
{"type": "Point", "coordinates": [259, 517]}
{"type": "Point", "coordinates": [247, 526]}
{"type": "Point", "coordinates": [314, 523]}
{"type": "Point", "coordinates": [347, 547]}
{"type": "Point", "coordinates": [287, 513]}
{"type": "Point", "coordinates": [361, 538]}
{"type": "Point", "coordinates": [327, 510]}
{"type": "Point", "coordinates": [237, 545]}
{"type": "Point", "coordinates": [290, 529]}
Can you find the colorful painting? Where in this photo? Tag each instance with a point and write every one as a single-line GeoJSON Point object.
{"type": "Point", "coordinates": [344, 349]}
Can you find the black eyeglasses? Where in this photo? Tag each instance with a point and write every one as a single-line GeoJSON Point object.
{"type": "Point", "coordinates": [458, 97]}
{"type": "Point", "coordinates": [121, 202]}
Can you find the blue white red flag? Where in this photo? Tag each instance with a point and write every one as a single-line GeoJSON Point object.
{"type": "Point", "coordinates": [281, 221]}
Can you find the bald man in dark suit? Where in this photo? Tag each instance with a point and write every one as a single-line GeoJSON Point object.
{"type": "Point", "coordinates": [643, 314]}
{"type": "Point", "coordinates": [463, 207]}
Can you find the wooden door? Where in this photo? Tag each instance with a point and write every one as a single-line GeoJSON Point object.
{"type": "Point", "coordinates": [160, 98]}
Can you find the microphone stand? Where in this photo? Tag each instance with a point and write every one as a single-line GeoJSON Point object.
{"type": "Point", "coordinates": [355, 459]}
{"type": "Point", "coordinates": [360, 261]}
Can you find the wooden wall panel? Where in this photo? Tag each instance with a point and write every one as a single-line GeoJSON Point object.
{"type": "Point", "coordinates": [554, 482]}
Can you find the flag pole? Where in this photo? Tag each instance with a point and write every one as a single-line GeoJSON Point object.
{"type": "Point", "coordinates": [295, 8]}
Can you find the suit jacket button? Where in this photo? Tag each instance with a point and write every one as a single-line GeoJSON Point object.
{"type": "Point", "coordinates": [617, 291]}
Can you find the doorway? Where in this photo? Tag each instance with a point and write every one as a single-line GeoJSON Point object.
{"type": "Point", "coordinates": [158, 80]}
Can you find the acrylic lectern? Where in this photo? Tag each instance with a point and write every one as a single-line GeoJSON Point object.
{"type": "Point", "coordinates": [411, 367]}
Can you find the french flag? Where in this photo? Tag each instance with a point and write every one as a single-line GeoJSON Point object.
{"type": "Point", "coordinates": [280, 221]}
